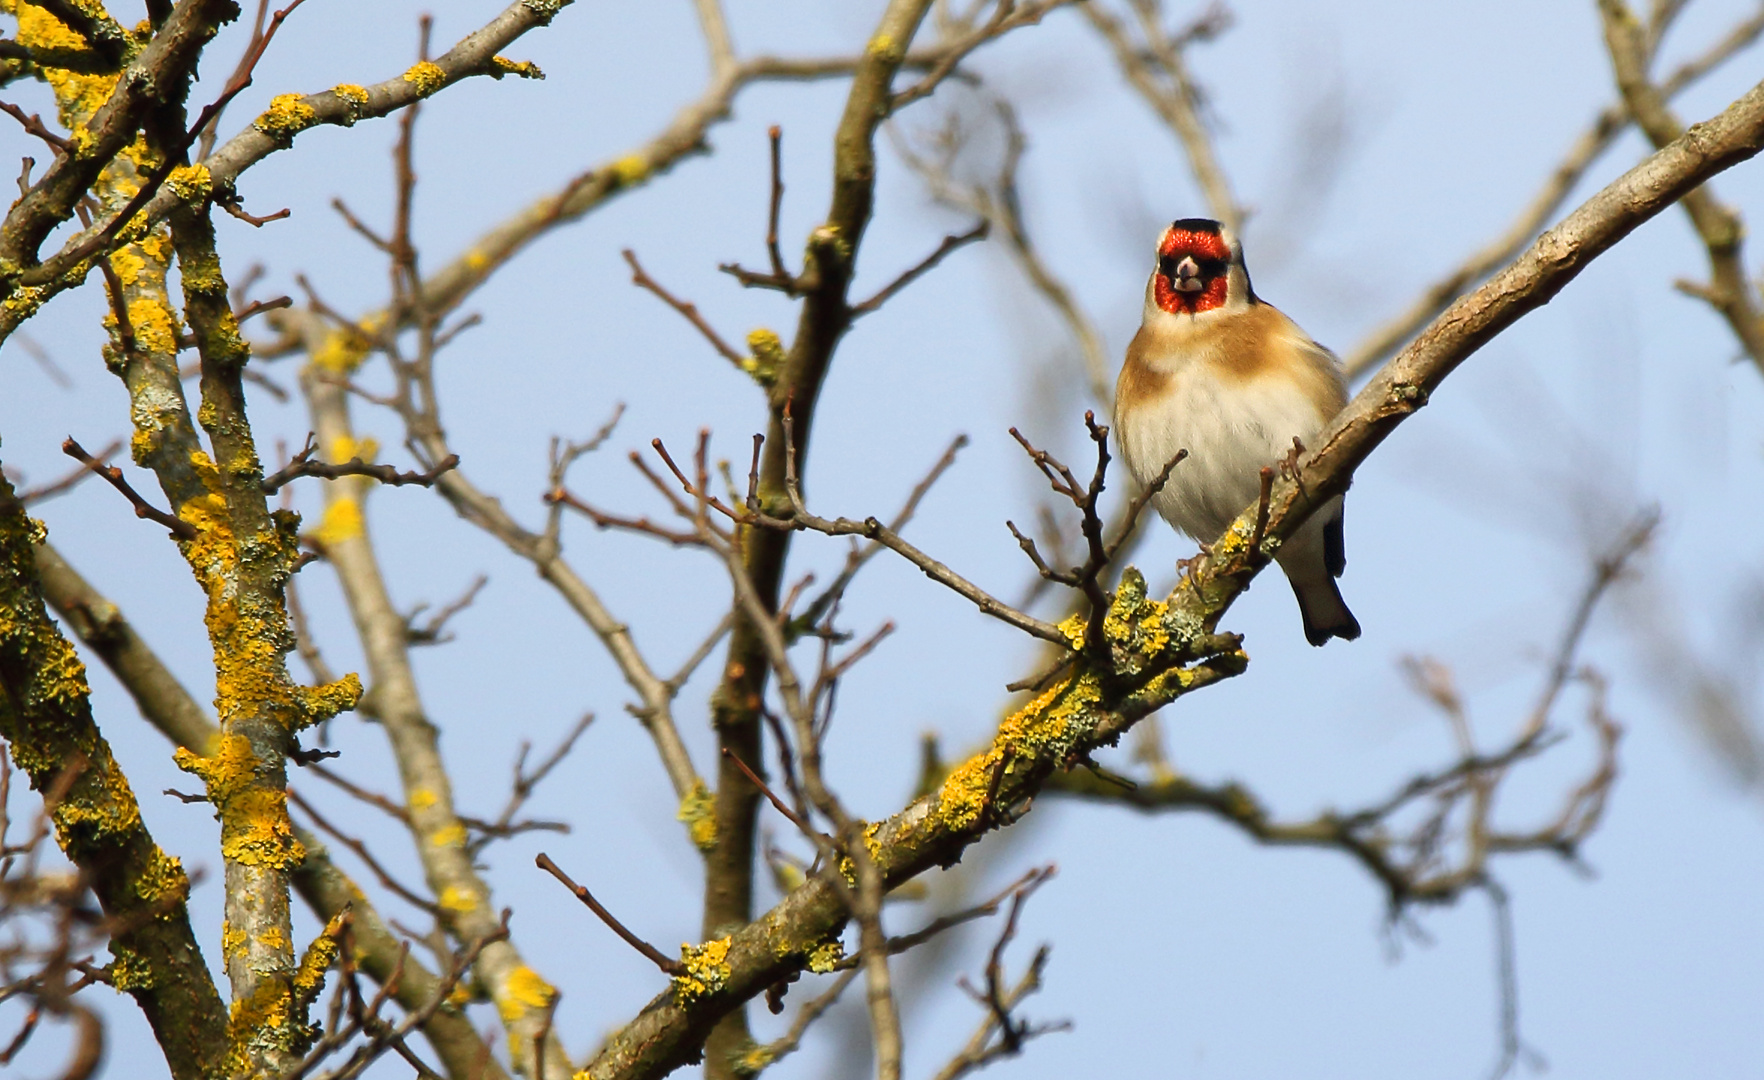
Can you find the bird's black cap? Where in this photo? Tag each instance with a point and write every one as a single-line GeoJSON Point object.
{"type": "Point", "coordinates": [1196, 224]}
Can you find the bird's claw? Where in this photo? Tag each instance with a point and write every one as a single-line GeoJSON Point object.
{"type": "Point", "coordinates": [1289, 465]}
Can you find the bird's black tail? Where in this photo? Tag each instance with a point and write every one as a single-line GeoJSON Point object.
{"type": "Point", "coordinates": [1325, 613]}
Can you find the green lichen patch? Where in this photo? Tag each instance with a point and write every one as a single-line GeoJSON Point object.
{"type": "Point", "coordinates": [544, 10]}
{"type": "Point", "coordinates": [768, 356]}
{"type": "Point", "coordinates": [203, 274]}
{"type": "Point", "coordinates": [825, 957]}
{"type": "Point", "coordinates": [1136, 627]}
{"type": "Point", "coordinates": [46, 719]}
{"type": "Point", "coordinates": [129, 971]}
{"type": "Point", "coordinates": [269, 1023]}
{"type": "Point", "coordinates": [24, 302]}
{"type": "Point", "coordinates": [163, 882]}
{"type": "Point", "coordinates": [247, 621]}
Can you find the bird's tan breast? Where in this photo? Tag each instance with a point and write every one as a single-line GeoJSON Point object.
{"type": "Point", "coordinates": [1247, 347]}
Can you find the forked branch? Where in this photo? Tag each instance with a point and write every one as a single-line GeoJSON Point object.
{"type": "Point", "coordinates": [303, 464]}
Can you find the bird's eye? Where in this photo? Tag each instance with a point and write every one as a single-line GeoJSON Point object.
{"type": "Point", "coordinates": [1167, 265]}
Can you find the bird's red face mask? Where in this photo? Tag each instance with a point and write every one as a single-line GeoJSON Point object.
{"type": "Point", "coordinates": [1193, 271]}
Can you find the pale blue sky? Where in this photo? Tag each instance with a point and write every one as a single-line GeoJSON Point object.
{"type": "Point", "coordinates": [1180, 949]}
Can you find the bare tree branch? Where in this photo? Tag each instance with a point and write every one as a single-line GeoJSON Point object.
{"type": "Point", "coordinates": [1586, 149]}
{"type": "Point", "coordinates": [1730, 290]}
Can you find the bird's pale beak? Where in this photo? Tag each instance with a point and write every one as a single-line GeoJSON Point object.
{"type": "Point", "coordinates": [1187, 276]}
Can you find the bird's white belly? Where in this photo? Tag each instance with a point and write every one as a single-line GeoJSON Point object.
{"type": "Point", "coordinates": [1230, 430]}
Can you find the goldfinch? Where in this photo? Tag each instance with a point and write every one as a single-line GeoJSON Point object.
{"type": "Point", "coordinates": [1232, 380]}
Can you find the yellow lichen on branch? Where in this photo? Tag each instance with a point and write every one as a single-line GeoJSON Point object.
{"type": "Point", "coordinates": [1140, 634]}
{"type": "Point", "coordinates": [231, 941]}
{"type": "Point", "coordinates": [342, 521]}
{"type": "Point", "coordinates": [77, 96]}
{"type": "Point", "coordinates": [884, 47]}
{"type": "Point", "coordinates": [270, 1022]}
{"type": "Point", "coordinates": [255, 829]}
{"type": "Point", "coordinates": [767, 357]}
{"type": "Point", "coordinates": [630, 170]}
{"type": "Point", "coordinates": [248, 628]}
{"type": "Point", "coordinates": [526, 69]}
{"type": "Point", "coordinates": [309, 977]}
{"type": "Point", "coordinates": [248, 631]}
{"type": "Point", "coordinates": [458, 900]}
{"type": "Point", "coordinates": [826, 956]}
{"type": "Point", "coordinates": [191, 183]}
{"type": "Point", "coordinates": [524, 992]}
{"type": "Point", "coordinates": [46, 720]}
{"type": "Point", "coordinates": [698, 810]}
{"type": "Point", "coordinates": [287, 116]}
{"type": "Point", "coordinates": [427, 77]}
{"type": "Point", "coordinates": [707, 970]}
{"type": "Point", "coordinates": [343, 349]}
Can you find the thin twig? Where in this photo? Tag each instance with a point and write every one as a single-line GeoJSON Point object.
{"type": "Point", "coordinates": [33, 124]}
{"type": "Point", "coordinates": [859, 556]}
{"type": "Point", "coordinates": [32, 496]}
{"type": "Point", "coordinates": [433, 631]}
{"type": "Point", "coordinates": [678, 679]}
{"type": "Point", "coordinates": [360, 228]}
{"type": "Point", "coordinates": [687, 310]}
{"type": "Point", "coordinates": [1021, 887]}
{"type": "Point", "coordinates": [668, 965]}
{"type": "Point", "coordinates": [257, 221]}
{"type": "Point", "coordinates": [775, 135]}
{"type": "Point", "coordinates": [950, 243]}
{"type": "Point", "coordinates": [181, 529]}
{"type": "Point", "coordinates": [361, 851]}
{"type": "Point", "coordinates": [771, 796]}
{"type": "Point", "coordinates": [258, 307]}
{"type": "Point", "coordinates": [303, 464]}
{"type": "Point", "coordinates": [525, 783]}
{"type": "Point", "coordinates": [807, 1015]}
{"type": "Point", "coordinates": [1006, 16]}
{"type": "Point", "coordinates": [379, 802]}
{"type": "Point", "coordinates": [1157, 69]}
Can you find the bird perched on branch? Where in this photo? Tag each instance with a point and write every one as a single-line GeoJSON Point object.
{"type": "Point", "coordinates": [1216, 371]}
